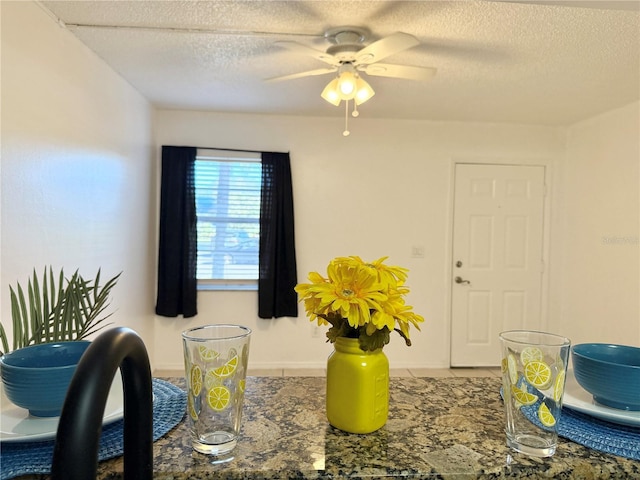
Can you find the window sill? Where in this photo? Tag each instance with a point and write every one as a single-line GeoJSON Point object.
{"type": "Point", "coordinates": [227, 287]}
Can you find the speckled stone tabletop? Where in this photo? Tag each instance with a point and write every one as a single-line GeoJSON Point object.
{"type": "Point", "coordinates": [445, 428]}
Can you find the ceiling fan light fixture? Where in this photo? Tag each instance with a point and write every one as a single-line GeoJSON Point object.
{"type": "Point", "coordinates": [363, 91]}
{"type": "Point", "coordinates": [348, 57]}
{"type": "Point", "coordinates": [331, 93]}
{"type": "Point", "coordinates": [347, 85]}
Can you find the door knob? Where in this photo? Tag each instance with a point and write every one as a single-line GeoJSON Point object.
{"type": "Point", "coordinates": [461, 281]}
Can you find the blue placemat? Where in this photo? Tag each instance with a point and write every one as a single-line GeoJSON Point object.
{"type": "Point", "coordinates": [621, 440]}
{"type": "Point", "coordinates": [600, 435]}
{"type": "Point", "coordinates": [24, 458]}
{"type": "Point", "coordinates": [607, 437]}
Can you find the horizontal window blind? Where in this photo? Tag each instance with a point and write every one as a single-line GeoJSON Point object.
{"type": "Point", "coordinates": [228, 217]}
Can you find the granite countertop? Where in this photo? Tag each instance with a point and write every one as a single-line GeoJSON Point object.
{"type": "Point", "coordinates": [449, 428]}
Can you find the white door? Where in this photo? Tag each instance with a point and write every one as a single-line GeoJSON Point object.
{"type": "Point", "coordinates": [497, 258]}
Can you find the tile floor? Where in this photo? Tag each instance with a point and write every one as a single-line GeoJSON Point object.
{"type": "Point", "coordinates": [394, 372]}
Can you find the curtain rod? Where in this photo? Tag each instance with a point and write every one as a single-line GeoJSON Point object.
{"type": "Point", "coordinates": [235, 150]}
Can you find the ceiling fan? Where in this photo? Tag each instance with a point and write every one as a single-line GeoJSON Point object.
{"type": "Point", "coordinates": [348, 57]}
{"type": "Point", "coordinates": [348, 48]}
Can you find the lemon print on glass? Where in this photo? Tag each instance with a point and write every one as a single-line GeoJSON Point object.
{"type": "Point", "coordinates": [195, 380]}
{"type": "Point", "coordinates": [227, 369]}
{"type": "Point", "coordinates": [545, 416]}
{"type": "Point", "coordinates": [207, 354]}
{"type": "Point", "coordinates": [531, 354]}
{"type": "Point", "coordinates": [558, 386]}
{"type": "Point", "coordinates": [191, 407]}
{"type": "Point", "coordinates": [523, 397]}
{"type": "Point", "coordinates": [245, 354]}
{"type": "Point", "coordinates": [218, 398]}
{"type": "Point", "coordinates": [538, 374]}
{"type": "Point", "coordinates": [512, 368]}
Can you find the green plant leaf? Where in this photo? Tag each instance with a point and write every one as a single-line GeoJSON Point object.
{"type": "Point", "coordinates": [45, 297]}
{"type": "Point", "coordinates": [72, 309]}
{"type": "Point", "coordinates": [96, 282]}
{"type": "Point", "coordinates": [23, 316]}
{"type": "Point", "coordinates": [55, 332]}
{"type": "Point", "coordinates": [5, 343]}
{"type": "Point", "coordinates": [36, 304]}
{"type": "Point", "coordinates": [374, 341]}
{"type": "Point", "coordinates": [67, 314]}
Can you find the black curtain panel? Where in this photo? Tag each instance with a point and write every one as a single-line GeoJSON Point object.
{"type": "Point", "coordinates": [277, 274]}
{"type": "Point", "coordinates": [177, 256]}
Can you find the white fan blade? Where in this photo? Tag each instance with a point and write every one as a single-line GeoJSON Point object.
{"type": "Point", "coordinates": [303, 49]}
{"type": "Point", "coordinates": [310, 73]}
{"type": "Point", "coordinates": [384, 47]}
{"type": "Point", "coordinates": [399, 71]}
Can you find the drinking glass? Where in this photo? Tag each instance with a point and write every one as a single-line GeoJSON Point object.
{"type": "Point", "coordinates": [215, 362]}
{"type": "Point", "coordinates": [534, 366]}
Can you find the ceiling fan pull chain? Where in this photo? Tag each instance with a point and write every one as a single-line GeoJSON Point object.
{"type": "Point", "coordinates": [346, 119]}
{"type": "Point", "coordinates": [355, 112]}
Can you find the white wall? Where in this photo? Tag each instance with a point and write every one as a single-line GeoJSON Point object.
{"type": "Point", "coordinates": [598, 257]}
{"type": "Point", "coordinates": [77, 189]}
{"type": "Point", "coordinates": [379, 192]}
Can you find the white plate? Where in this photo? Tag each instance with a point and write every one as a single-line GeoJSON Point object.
{"type": "Point", "coordinates": [16, 425]}
{"type": "Point", "coordinates": [577, 398]}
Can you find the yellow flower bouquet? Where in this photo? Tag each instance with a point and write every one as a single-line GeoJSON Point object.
{"type": "Point", "coordinates": [360, 300]}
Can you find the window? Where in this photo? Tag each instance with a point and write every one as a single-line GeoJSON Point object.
{"type": "Point", "coordinates": [228, 218]}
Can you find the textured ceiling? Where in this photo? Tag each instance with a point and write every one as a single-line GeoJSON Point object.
{"type": "Point", "coordinates": [550, 63]}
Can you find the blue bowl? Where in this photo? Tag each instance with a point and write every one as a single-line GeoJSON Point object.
{"type": "Point", "coordinates": [37, 377]}
{"type": "Point", "coordinates": [611, 373]}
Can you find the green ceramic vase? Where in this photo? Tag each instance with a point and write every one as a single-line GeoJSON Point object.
{"type": "Point", "coordinates": [357, 387]}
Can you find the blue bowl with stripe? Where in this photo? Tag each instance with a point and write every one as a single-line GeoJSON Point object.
{"type": "Point", "coordinates": [37, 377]}
{"type": "Point", "coordinates": [609, 372]}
